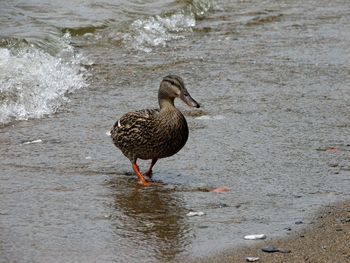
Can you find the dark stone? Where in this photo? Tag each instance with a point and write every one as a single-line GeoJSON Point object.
{"type": "Point", "coordinates": [298, 222]}
{"type": "Point", "coordinates": [272, 249]}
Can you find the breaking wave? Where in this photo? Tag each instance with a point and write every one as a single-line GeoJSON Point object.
{"type": "Point", "coordinates": [34, 82]}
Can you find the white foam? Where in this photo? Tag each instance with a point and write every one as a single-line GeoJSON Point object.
{"type": "Point", "coordinates": [158, 30]}
{"type": "Point", "coordinates": [34, 83]}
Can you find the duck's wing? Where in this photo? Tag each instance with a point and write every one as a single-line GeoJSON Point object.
{"type": "Point", "coordinates": [140, 119]}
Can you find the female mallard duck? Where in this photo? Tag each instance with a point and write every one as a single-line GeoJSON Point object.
{"type": "Point", "coordinates": [154, 133]}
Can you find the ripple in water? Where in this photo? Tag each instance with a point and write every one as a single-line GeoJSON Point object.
{"type": "Point", "coordinates": [33, 82]}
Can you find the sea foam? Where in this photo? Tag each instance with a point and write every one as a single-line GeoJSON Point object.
{"type": "Point", "coordinates": [147, 33]}
{"type": "Point", "coordinates": [34, 82]}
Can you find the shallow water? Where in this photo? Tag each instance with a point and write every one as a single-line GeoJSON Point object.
{"type": "Point", "coordinates": [272, 78]}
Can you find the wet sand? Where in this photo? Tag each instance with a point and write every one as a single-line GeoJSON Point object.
{"type": "Point", "coordinates": [326, 240]}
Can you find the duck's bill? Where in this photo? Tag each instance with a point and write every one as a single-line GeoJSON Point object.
{"type": "Point", "coordinates": [190, 101]}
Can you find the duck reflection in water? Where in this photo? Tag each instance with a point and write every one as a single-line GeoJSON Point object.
{"type": "Point", "coordinates": [152, 220]}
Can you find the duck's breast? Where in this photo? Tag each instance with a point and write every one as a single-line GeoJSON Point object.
{"type": "Point", "coordinates": [171, 135]}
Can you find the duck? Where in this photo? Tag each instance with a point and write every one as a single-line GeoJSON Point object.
{"type": "Point", "coordinates": [153, 134]}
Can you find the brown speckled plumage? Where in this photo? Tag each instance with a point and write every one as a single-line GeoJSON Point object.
{"type": "Point", "coordinates": [154, 133]}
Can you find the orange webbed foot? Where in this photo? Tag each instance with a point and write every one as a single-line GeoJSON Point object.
{"type": "Point", "coordinates": [142, 181]}
{"type": "Point", "coordinates": [148, 184]}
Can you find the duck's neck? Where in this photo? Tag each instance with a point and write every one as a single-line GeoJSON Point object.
{"type": "Point", "coordinates": [165, 104]}
{"type": "Point", "coordinates": [165, 101]}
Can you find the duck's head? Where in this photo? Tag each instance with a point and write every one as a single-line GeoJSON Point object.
{"type": "Point", "coordinates": [172, 87]}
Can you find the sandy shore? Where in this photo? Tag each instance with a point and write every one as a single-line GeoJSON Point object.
{"type": "Point", "coordinates": [327, 240]}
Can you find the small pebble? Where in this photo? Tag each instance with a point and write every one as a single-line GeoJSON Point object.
{"type": "Point", "coordinates": [252, 259]}
{"type": "Point", "coordinates": [254, 237]}
{"type": "Point", "coordinates": [108, 133]}
{"type": "Point", "coordinates": [272, 249]}
{"type": "Point", "coordinates": [298, 222]}
{"type": "Point", "coordinates": [338, 228]}
{"type": "Point", "coordinates": [200, 213]}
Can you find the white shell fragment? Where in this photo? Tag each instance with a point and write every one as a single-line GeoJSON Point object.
{"type": "Point", "coordinates": [200, 213]}
{"type": "Point", "coordinates": [252, 259]}
{"type": "Point", "coordinates": [254, 237]}
{"type": "Point", "coordinates": [108, 133]}
{"type": "Point", "coordinates": [35, 141]}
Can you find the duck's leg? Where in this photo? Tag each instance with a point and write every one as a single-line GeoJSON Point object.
{"type": "Point", "coordinates": [149, 172]}
{"type": "Point", "coordinates": [142, 179]}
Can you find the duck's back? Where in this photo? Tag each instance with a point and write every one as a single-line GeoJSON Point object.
{"type": "Point", "coordinates": [149, 134]}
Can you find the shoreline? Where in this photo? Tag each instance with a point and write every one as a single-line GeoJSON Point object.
{"type": "Point", "coordinates": [326, 239]}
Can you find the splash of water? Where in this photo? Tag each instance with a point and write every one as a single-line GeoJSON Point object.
{"type": "Point", "coordinates": [156, 31]}
{"type": "Point", "coordinates": [147, 33]}
{"type": "Point", "coordinates": [33, 82]}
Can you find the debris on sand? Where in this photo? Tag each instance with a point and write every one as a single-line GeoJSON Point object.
{"type": "Point", "coordinates": [223, 189]}
{"type": "Point", "coordinates": [35, 141]}
{"type": "Point", "coordinates": [252, 259]}
{"type": "Point", "coordinates": [199, 213]}
{"type": "Point", "coordinates": [255, 237]}
{"type": "Point", "coordinates": [272, 249]}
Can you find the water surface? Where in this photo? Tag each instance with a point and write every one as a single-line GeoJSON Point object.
{"type": "Point", "coordinates": [272, 78]}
